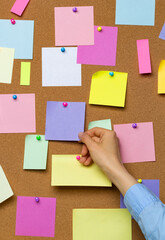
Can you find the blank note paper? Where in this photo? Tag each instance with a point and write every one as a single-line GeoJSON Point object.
{"type": "Point", "coordinates": [96, 224]}
{"type": "Point", "coordinates": [78, 27]}
{"type": "Point", "coordinates": [106, 123]}
{"type": "Point", "coordinates": [18, 36]}
{"type": "Point", "coordinates": [162, 33]}
{"type": "Point", "coordinates": [35, 156]}
{"type": "Point", "coordinates": [133, 12]}
{"type": "Point", "coordinates": [25, 73]}
{"type": "Point", "coordinates": [19, 6]}
{"type": "Point", "coordinates": [107, 90]}
{"type": "Point", "coordinates": [144, 56]}
{"type": "Point", "coordinates": [64, 123]}
{"type": "Point", "coordinates": [5, 189]}
{"type": "Point", "coordinates": [67, 171]}
{"type": "Point", "coordinates": [60, 68]}
{"type": "Point", "coordinates": [136, 144]}
{"type": "Point", "coordinates": [17, 116]}
{"type": "Point", "coordinates": [152, 184]}
{"type": "Point", "coordinates": [161, 77]}
{"type": "Point", "coordinates": [6, 64]}
{"type": "Point", "coordinates": [35, 219]}
{"type": "Point", "coordinates": [103, 52]}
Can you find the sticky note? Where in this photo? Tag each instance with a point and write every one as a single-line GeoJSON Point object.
{"type": "Point", "coordinates": [25, 73]}
{"type": "Point", "coordinates": [5, 189]}
{"type": "Point", "coordinates": [18, 36]}
{"type": "Point", "coordinates": [133, 12]}
{"type": "Point", "coordinates": [107, 90]}
{"type": "Point", "coordinates": [136, 144]}
{"type": "Point", "coordinates": [144, 56]}
{"type": "Point", "coordinates": [35, 219]}
{"type": "Point", "coordinates": [161, 77]}
{"type": "Point", "coordinates": [19, 6]}
{"type": "Point", "coordinates": [17, 116]}
{"type": "Point", "coordinates": [162, 33]}
{"type": "Point", "coordinates": [64, 123]}
{"type": "Point", "coordinates": [103, 52]}
{"type": "Point", "coordinates": [152, 184]}
{"type": "Point", "coordinates": [6, 64]}
{"type": "Point", "coordinates": [106, 123]}
{"type": "Point", "coordinates": [35, 155]}
{"type": "Point", "coordinates": [67, 171]}
{"type": "Point", "coordinates": [60, 68]}
{"type": "Point", "coordinates": [96, 224]}
{"type": "Point", "coordinates": [78, 27]}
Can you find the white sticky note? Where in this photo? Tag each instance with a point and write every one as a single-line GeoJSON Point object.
{"type": "Point", "coordinates": [6, 64]}
{"type": "Point", "coordinates": [60, 68]}
{"type": "Point", "coordinates": [5, 189]}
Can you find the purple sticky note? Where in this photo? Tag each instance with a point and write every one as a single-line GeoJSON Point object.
{"type": "Point", "coordinates": [162, 33]}
{"type": "Point", "coordinates": [153, 185]}
{"type": "Point", "coordinates": [103, 52]}
{"type": "Point", "coordinates": [63, 123]}
{"type": "Point", "coordinates": [35, 218]}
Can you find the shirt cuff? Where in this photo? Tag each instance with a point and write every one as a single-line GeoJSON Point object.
{"type": "Point", "coordinates": [137, 198]}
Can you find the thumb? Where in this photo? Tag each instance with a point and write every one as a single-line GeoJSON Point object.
{"type": "Point", "coordinates": [85, 138]}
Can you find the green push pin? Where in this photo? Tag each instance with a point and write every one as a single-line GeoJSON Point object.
{"type": "Point", "coordinates": [38, 137]}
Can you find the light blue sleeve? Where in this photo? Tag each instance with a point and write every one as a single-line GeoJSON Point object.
{"type": "Point", "coordinates": [147, 210]}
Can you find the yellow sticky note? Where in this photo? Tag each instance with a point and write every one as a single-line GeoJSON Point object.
{"type": "Point", "coordinates": [67, 171]}
{"type": "Point", "coordinates": [161, 77]}
{"type": "Point", "coordinates": [108, 90]}
{"type": "Point", "coordinates": [102, 224]}
{"type": "Point", "coordinates": [25, 73]}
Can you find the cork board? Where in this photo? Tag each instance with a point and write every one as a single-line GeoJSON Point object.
{"type": "Point", "coordinates": [143, 104]}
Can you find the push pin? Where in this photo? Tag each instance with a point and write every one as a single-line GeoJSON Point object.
{"type": "Point", "coordinates": [38, 137]}
{"type": "Point", "coordinates": [111, 74]}
{"type": "Point", "coordinates": [78, 157]}
{"type": "Point", "coordinates": [134, 125]}
{"type": "Point", "coordinates": [14, 97]}
{"type": "Point", "coordinates": [62, 49]}
{"type": "Point", "coordinates": [37, 199]}
{"type": "Point", "coordinates": [139, 180]}
{"type": "Point", "coordinates": [99, 29]}
{"type": "Point", "coordinates": [74, 9]}
{"type": "Point", "coordinates": [13, 21]}
{"type": "Point", "coordinates": [65, 104]}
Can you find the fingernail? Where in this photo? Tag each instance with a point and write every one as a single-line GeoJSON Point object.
{"type": "Point", "coordinates": [80, 134]}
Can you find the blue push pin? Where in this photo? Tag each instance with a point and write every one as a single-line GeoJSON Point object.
{"type": "Point", "coordinates": [111, 74]}
{"type": "Point", "coordinates": [62, 49]}
{"type": "Point", "coordinates": [14, 97]}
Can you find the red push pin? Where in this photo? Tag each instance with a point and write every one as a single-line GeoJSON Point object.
{"type": "Point", "coordinates": [13, 21]}
{"type": "Point", "coordinates": [65, 104]}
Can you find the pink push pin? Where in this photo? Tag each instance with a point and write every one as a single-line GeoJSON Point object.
{"type": "Point", "coordinates": [65, 104]}
{"type": "Point", "coordinates": [78, 157]}
{"type": "Point", "coordinates": [12, 21]}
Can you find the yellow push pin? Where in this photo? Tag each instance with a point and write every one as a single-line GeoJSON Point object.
{"type": "Point", "coordinates": [139, 180]}
{"type": "Point", "coordinates": [99, 29]}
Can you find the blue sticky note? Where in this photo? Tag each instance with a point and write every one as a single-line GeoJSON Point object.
{"type": "Point", "coordinates": [18, 36]}
{"type": "Point", "coordinates": [162, 33]}
{"type": "Point", "coordinates": [135, 12]}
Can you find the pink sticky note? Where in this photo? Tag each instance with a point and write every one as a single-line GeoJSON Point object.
{"type": "Point", "coordinates": [74, 28]}
{"type": "Point", "coordinates": [19, 6]}
{"type": "Point", "coordinates": [17, 116]}
{"type": "Point", "coordinates": [103, 52]}
{"type": "Point", "coordinates": [35, 219]}
{"type": "Point", "coordinates": [136, 144]}
{"type": "Point", "coordinates": [144, 56]}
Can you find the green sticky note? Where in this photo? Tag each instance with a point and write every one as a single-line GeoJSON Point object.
{"type": "Point", "coordinates": [25, 73]}
{"type": "Point", "coordinates": [106, 123]}
{"type": "Point", "coordinates": [35, 156]}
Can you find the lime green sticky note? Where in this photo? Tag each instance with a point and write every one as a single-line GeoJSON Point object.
{"type": "Point", "coordinates": [67, 171]}
{"type": "Point", "coordinates": [106, 123]}
{"type": "Point", "coordinates": [35, 156]}
{"type": "Point", "coordinates": [25, 73]}
{"type": "Point", "coordinates": [106, 224]}
{"type": "Point", "coordinates": [108, 90]}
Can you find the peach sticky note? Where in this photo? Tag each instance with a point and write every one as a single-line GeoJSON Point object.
{"type": "Point", "coordinates": [74, 28]}
{"type": "Point", "coordinates": [136, 144]}
{"type": "Point", "coordinates": [161, 77]}
{"type": "Point", "coordinates": [19, 6]}
{"type": "Point", "coordinates": [144, 56]}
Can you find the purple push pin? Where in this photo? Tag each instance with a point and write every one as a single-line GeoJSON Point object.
{"type": "Point", "coordinates": [134, 125]}
{"type": "Point", "coordinates": [74, 9]}
{"type": "Point", "coordinates": [37, 199]}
